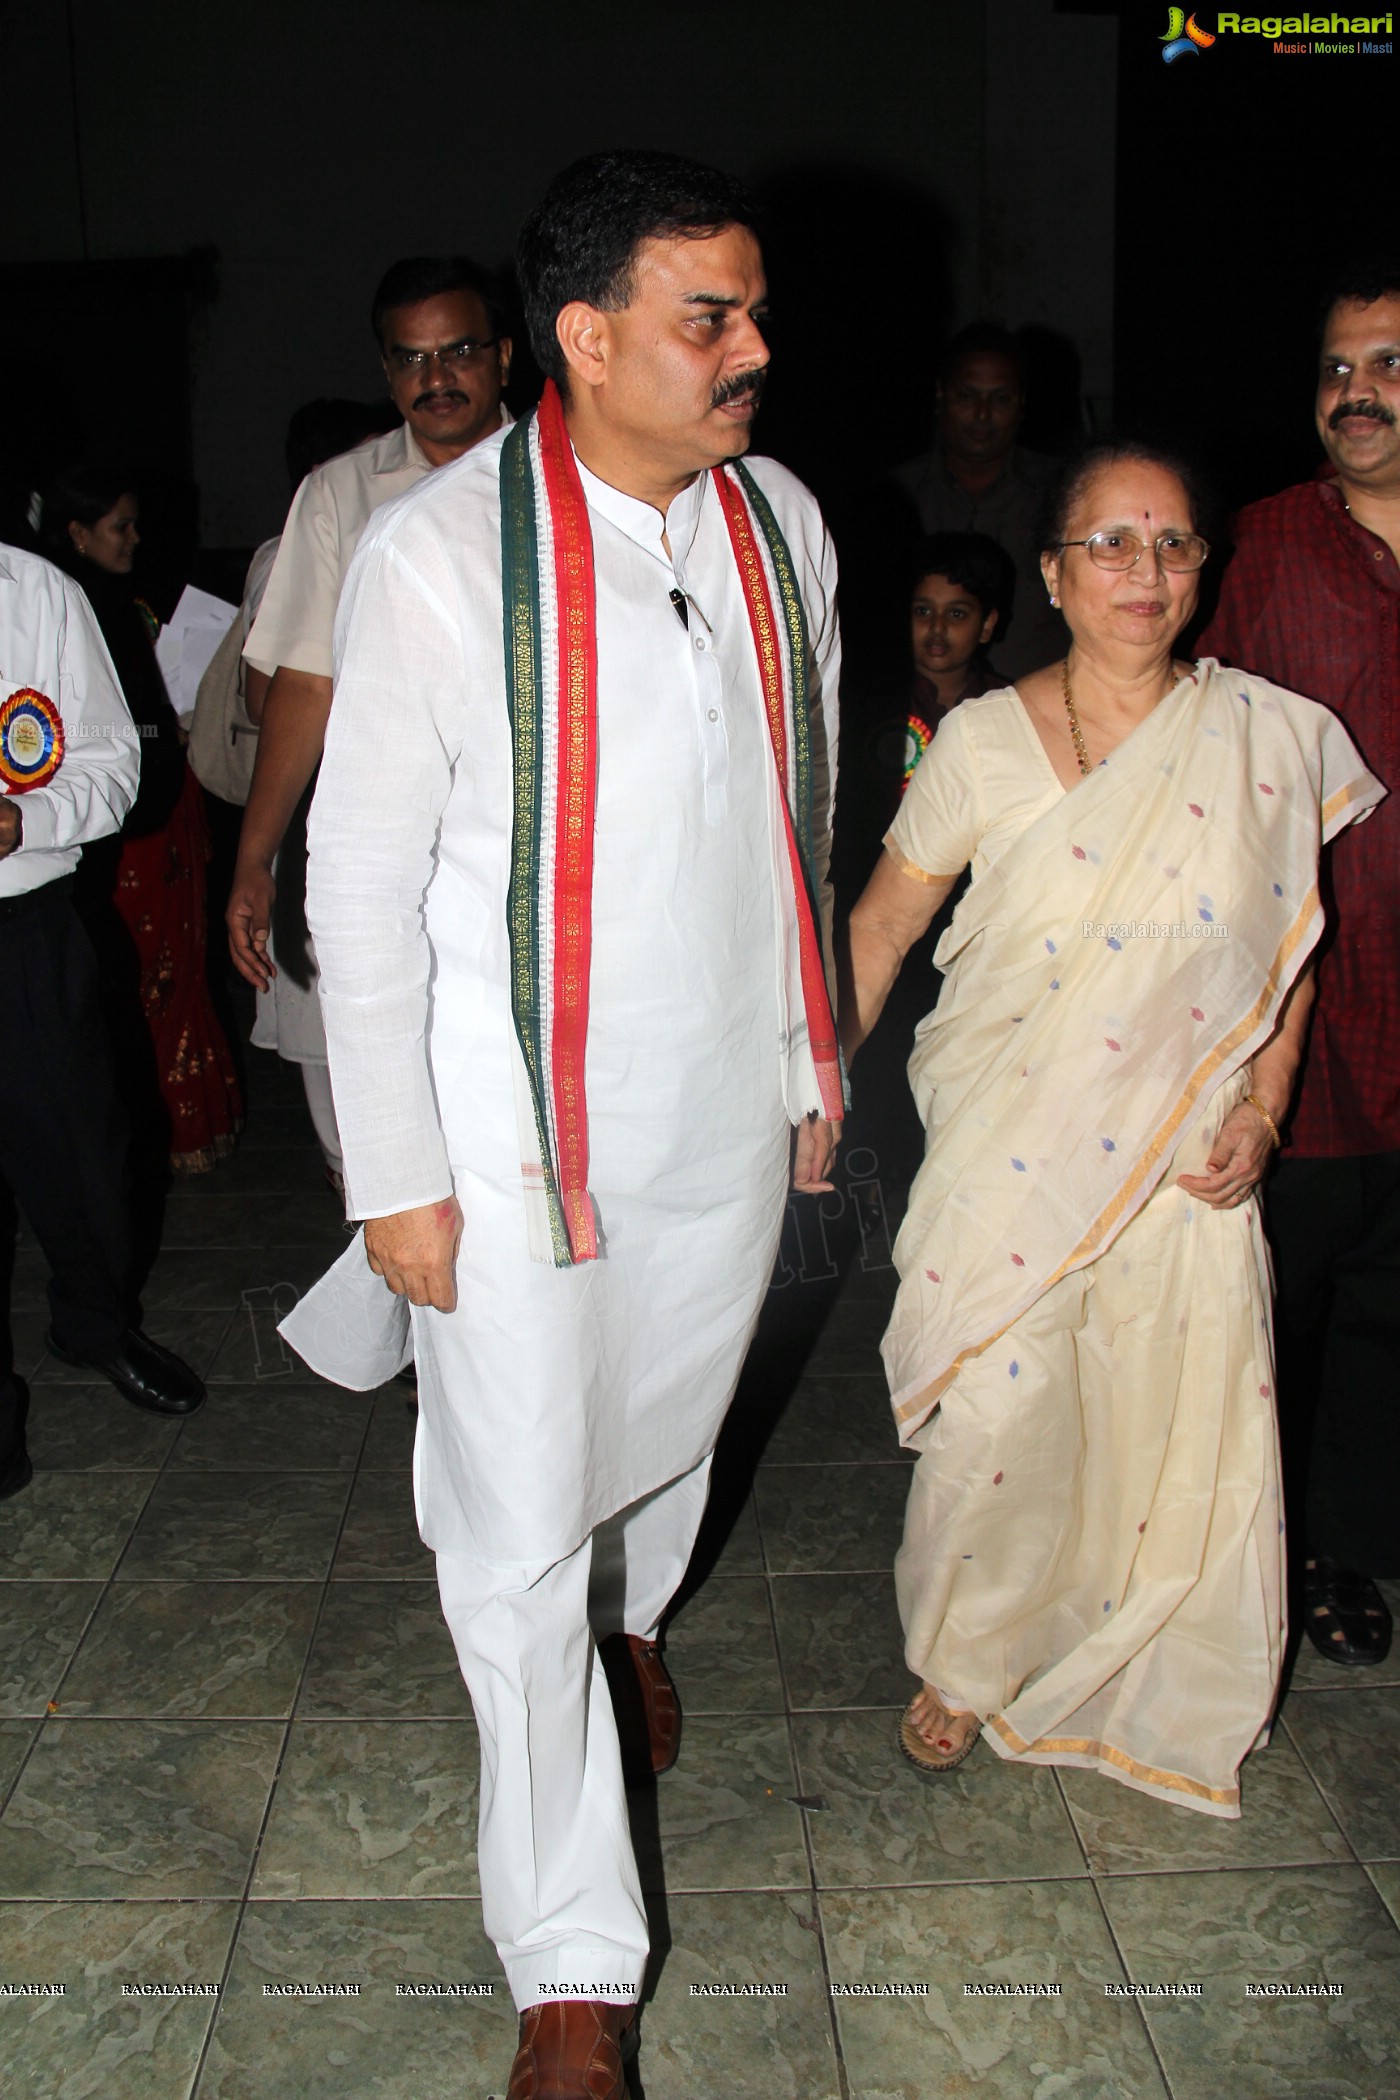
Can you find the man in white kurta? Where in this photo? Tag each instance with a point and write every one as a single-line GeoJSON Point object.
{"type": "Point", "coordinates": [567, 1415]}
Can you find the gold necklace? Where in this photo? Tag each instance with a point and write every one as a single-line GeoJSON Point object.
{"type": "Point", "coordinates": [1076, 733]}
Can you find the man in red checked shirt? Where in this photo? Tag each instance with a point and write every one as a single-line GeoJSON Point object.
{"type": "Point", "coordinates": [1312, 600]}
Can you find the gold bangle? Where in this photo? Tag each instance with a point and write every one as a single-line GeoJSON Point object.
{"type": "Point", "coordinates": [1256, 1103]}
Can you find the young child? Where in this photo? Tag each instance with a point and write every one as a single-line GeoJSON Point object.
{"type": "Point", "coordinates": [963, 585]}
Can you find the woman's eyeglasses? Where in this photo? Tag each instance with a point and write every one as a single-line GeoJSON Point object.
{"type": "Point", "coordinates": [1123, 550]}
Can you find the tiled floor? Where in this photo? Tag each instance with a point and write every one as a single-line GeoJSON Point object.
{"type": "Point", "coordinates": [235, 1753]}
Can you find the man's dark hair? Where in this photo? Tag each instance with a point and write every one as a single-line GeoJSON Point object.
{"type": "Point", "coordinates": [323, 429]}
{"type": "Point", "coordinates": [1364, 278]}
{"type": "Point", "coordinates": [581, 240]}
{"type": "Point", "coordinates": [1091, 460]}
{"type": "Point", "coordinates": [419, 277]}
{"type": "Point", "coordinates": [975, 563]}
{"type": "Point", "coordinates": [983, 339]}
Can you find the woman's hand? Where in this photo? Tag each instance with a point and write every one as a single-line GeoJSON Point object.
{"type": "Point", "coordinates": [1237, 1161]}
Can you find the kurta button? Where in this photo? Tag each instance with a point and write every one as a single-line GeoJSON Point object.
{"type": "Point", "coordinates": [714, 714]}
{"type": "Point", "coordinates": [699, 641]}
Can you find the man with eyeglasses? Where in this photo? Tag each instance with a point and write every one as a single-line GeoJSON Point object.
{"type": "Point", "coordinates": [1312, 600]}
{"type": "Point", "coordinates": [440, 330]}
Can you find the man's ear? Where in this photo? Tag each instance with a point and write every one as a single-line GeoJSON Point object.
{"type": "Point", "coordinates": [989, 628]}
{"type": "Point", "coordinates": [582, 334]}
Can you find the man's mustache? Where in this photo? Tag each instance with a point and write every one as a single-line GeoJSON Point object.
{"type": "Point", "coordinates": [445, 393]}
{"type": "Point", "coordinates": [1371, 409]}
{"type": "Point", "coordinates": [744, 386]}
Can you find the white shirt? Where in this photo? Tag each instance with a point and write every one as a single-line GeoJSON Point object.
{"type": "Point", "coordinates": [416, 776]}
{"type": "Point", "coordinates": [553, 1397]}
{"type": "Point", "coordinates": [50, 640]}
{"type": "Point", "coordinates": [329, 512]}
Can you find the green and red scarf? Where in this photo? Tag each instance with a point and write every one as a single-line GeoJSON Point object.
{"type": "Point", "coordinates": [551, 652]}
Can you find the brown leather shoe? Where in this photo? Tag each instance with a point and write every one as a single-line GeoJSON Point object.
{"type": "Point", "coordinates": [571, 2049]}
{"type": "Point", "coordinates": [644, 1702]}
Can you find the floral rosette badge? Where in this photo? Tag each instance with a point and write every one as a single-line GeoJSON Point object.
{"type": "Point", "coordinates": [31, 741]}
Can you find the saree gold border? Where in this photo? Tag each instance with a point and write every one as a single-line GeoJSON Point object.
{"type": "Point", "coordinates": [922, 1405]}
{"type": "Point", "coordinates": [907, 867]}
{"type": "Point", "coordinates": [1085, 1746]}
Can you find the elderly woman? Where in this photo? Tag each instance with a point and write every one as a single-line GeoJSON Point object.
{"type": "Point", "coordinates": [1080, 1350]}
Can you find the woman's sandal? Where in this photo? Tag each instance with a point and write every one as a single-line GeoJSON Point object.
{"type": "Point", "coordinates": [917, 1751]}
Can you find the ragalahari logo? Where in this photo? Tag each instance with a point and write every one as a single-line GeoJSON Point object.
{"type": "Point", "coordinates": [1183, 35]}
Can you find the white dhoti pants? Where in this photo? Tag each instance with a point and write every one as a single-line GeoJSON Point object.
{"type": "Point", "coordinates": [560, 1893]}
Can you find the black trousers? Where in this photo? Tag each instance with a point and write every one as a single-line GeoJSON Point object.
{"type": "Point", "coordinates": [63, 1132]}
{"type": "Point", "coordinates": [1335, 1229]}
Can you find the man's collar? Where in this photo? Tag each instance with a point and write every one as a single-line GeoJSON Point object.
{"type": "Point", "coordinates": [642, 522]}
{"type": "Point", "coordinates": [399, 448]}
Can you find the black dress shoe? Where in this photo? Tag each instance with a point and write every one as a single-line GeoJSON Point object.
{"type": "Point", "coordinates": [17, 1467]}
{"type": "Point", "coordinates": [143, 1373]}
{"type": "Point", "coordinates": [1344, 1614]}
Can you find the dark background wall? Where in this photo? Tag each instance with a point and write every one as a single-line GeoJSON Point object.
{"type": "Point", "coordinates": [197, 204]}
{"type": "Point", "coordinates": [297, 148]}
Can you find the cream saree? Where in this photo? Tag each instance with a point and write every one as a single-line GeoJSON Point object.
{"type": "Point", "coordinates": [1079, 1351]}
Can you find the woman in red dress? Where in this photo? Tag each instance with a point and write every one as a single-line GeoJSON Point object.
{"type": "Point", "coordinates": [181, 1084]}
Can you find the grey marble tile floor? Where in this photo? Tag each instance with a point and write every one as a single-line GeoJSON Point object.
{"type": "Point", "coordinates": [236, 1758]}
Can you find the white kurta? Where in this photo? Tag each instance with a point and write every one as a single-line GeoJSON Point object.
{"type": "Point", "coordinates": [552, 1398]}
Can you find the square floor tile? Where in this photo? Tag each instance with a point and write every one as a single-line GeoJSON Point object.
{"type": "Point", "coordinates": [217, 1279]}
{"type": "Point", "coordinates": [381, 1533]}
{"type": "Point", "coordinates": [1283, 1821]}
{"type": "Point", "coordinates": [194, 1336]}
{"type": "Point", "coordinates": [821, 1519]}
{"type": "Point", "coordinates": [237, 1526]}
{"type": "Point", "coordinates": [252, 1351]}
{"type": "Point", "coordinates": [138, 1808]}
{"type": "Point", "coordinates": [93, 2043]}
{"type": "Point", "coordinates": [836, 1421]}
{"type": "Point", "coordinates": [721, 1652]}
{"type": "Point", "coordinates": [851, 1335]}
{"type": "Point", "coordinates": [1385, 1874]}
{"type": "Point", "coordinates": [91, 1429]}
{"type": "Point", "coordinates": [70, 1527]}
{"type": "Point", "coordinates": [383, 1651]}
{"type": "Point", "coordinates": [840, 1641]}
{"type": "Point", "coordinates": [724, 1818]}
{"type": "Point", "coordinates": [884, 1823]}
{"type": "Point", "coordinates": [15, 1739]}
{"type": "Point", "coordinates": [41, 1624]}
{"type": "Point", "coordinates": [1312, 1672]}
{"type": "Point", "coordinates": [1307, 1925]}
{"type": "Point", "coordinates": [374, 1808]}
{"type": "Point", "coordinates": [379, 2044]}
{"type": "Point", "coordinates": [698, 2046]}
{"type": "Point", "coordinates": [287, 1429]}
{"type": "Point", "coordinates": [1350, 1742]}
{"type": "Point", "coordinates": [955, 2043]}
{"type": "Point", "coordinates": [207, 1649]}
{"type": "Point", "coordinates": [200, 1218]}
{"type": "Point", "coordinates": [392, 1428]}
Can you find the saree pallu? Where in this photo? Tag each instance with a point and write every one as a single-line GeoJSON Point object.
{"type": "Point", "coordinates": [1092, 1556]}
{"type": "Point", "coordinates": [158, 893]}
